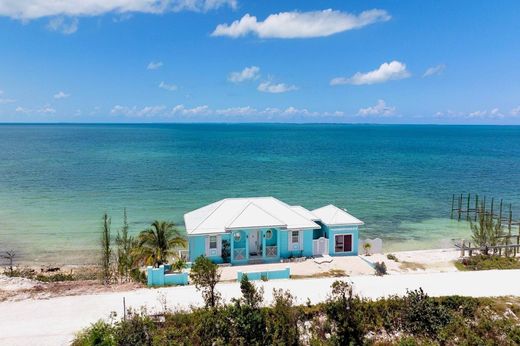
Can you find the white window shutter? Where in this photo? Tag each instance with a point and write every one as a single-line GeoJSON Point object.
{"type": "Point", "coordinates": [219, 245]}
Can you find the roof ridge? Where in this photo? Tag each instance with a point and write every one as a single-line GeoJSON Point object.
{"type": "Point", "coordinates": [257, 206]}
{"type": "Point", "coordinates": [207, 217]}
{"type": "Point", "coordinates": [239, 213]}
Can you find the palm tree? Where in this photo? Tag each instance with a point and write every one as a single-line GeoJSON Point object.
{"type": "Point", "coordinates": [156, 244]}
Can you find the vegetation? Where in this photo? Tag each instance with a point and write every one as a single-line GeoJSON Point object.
{"type": "Point", "coordinates": [106, 252]}
{"type": "Point", "coordinates": [344, 319]}
{"type": "Point", "coordinates": [486, 232]}
{"type": "Point", "coordinates": [392, 257]}
{"type": "Point", "coordinates": [367, 247]}
{"type": "Point", "coordinates": [226, 251]}
{"type": "Point", "coordinates": [205, 275]}
{"type": "Point", "coordinates": [157, 243]}
{"type": "Point", "coordinates": [483, 262]}
{"type": "Point", "coordinates": [380, 268]}
{"type": "Point", "coordinates": [125, 245]}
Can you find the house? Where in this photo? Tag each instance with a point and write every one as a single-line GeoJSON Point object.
{"type": "Point", "coordinates": [265, 229]}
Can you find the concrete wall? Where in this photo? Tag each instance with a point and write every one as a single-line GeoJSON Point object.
{"type": "Point", "coordinates": [266, 275]}
{"type": "Point", "coordinates": [157, 277]}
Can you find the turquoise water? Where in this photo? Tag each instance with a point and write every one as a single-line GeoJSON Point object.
{"type": "Point", "coordinates": [57, 180]}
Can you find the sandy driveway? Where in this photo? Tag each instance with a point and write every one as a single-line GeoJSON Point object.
{"type": "Point", "coordinates": [54, 321]}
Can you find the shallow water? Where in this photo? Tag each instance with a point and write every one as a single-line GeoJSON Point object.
{"type": "Point", "coordinates": [57, 180]}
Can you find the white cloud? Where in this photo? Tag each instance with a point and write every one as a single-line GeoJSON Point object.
{"type": "Point", "coordinates": [154, 65]}
{"type": "Point", "coordinates": [33, 9]}
{"type": "Point", "coordinates": [61, 95]}
{"type": "Point", "coordinates": [46, 109]}
{"type": "Point", "coordinates": [248, 73]}
{"type": "Point", "coordinates": [4, 100]}
{"type": "Point", "coordinates": [387, 71]}
{"type": "Point", "coordinates": [148, 111]}
{"type": "Point", "coordinates": [379, 109]}
{"type": "Point", "coordinates": [63, 25]}
{"type": "Point", "coordinates": [515, 111]}
{"type": "Point", "coordinates": [300, 24]}
{"type": "Point", "coordinates": [204, 113]}
{"type": "Point", "coordinates": [434, 70]}
{"type": "Point", "coordinates": [166, 86]}
{"type": "Point", "coordinates": [275, 88]}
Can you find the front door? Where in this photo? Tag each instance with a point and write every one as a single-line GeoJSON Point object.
{"type": "Point", "coordinates": [254, 245]}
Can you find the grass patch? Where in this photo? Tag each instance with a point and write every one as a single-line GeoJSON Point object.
{"type": "Point", "coordinates": [332, 273]}
{"type": "Point", "coordinates": [483, 262]}
{"type": "Point", "coordinates": [412, 266]}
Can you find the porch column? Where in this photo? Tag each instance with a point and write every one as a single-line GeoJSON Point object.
{"type": "Point", "coordinates": [263, 242]}
{"type": "Point", "coordinates": [278, 236]}
{"type": "Point", "coordinates": [232, 241]}
{"type": "Point", "coordinates": [247, 244]}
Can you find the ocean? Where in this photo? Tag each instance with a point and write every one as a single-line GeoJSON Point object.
{"type": "Point", "coordinates": [56, 181]}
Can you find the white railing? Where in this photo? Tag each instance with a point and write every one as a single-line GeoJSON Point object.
{"type": "Point", "coordinates": [271, 251]}
{"type": "Point", "coordinates": [239, 254]}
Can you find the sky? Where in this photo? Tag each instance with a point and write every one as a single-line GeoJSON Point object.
{"type": "Point", "coordinates": [429, 61]}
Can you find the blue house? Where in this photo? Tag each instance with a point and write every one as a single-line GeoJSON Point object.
{"type": "Point", "coordinates": [265, 229]}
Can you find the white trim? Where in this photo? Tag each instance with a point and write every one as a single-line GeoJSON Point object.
{"type": "Point", "coordinates": [295, 246]}
{"type": "Point", "coordinates": [351, 242]}
{"type": "Point", "coordinates": [216, 252]}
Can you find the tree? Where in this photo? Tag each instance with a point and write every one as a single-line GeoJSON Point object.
{"type": "Point", "coordinates": [124, 244]}
{"type": "Point", "coordinates": [486, 232]}
{"type": "Point", "coordinates": [250, 295]}
{"type": "Point", "coordinates": [106, 251]}
{"type": "Point", "coordinates": [343, 311]}
{"type": "Point", "coordinates": [156, 244]}
{"type": "Point", "coordinates": [367, 246]}
{"type": "Point", "coordinates": [205, 275]}
{"type": "Point", "coordinates": [9, 256]}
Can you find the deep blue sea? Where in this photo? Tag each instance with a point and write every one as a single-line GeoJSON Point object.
{"type": "Point", "coordinates": [57, 180]}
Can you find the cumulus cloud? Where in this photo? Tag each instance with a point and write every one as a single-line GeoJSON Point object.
{"type": "Point", "coordinates": [33, 9]}
{"type": "Point", "coordinates": [275, 88]}
{"type": "Point", "coordinates": [515, 111]}
{"type": "Point", "coordinates": [63, 25]}
{"type": "Point", "coordinates": [166, 86]}
{"type": "Point", "coordinates": [46, 110]}
{"type": "Point", "coordinates": [4, 100]}
{"type": "Point", "coordinates": [154, 65]}
{"type": "Point", "coordinates": [248, 73]}
{"type": "Point", "coordinates": [379, 109]}
{"type": "Point", "coordinates": [204, 112]}
{"type": "Point", "coordinates": [300, 24]}
{"type": "Point", "coordinates": [434, 70]}
{"type": "Point", "coordinates": [61, 95]}
{"type": "Point", "coordinates": [387, 71]}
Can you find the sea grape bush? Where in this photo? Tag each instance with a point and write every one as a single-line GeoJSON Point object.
{"type": "Point", "coordinates": [343, 319]}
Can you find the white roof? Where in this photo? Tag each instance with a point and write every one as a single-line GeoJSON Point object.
{"type": "Point", "coordinates": [305, 212]}
{"type": "Point", "coordinates": [334, 216]}
{"type": "Point", "coordinates": [240, 213]}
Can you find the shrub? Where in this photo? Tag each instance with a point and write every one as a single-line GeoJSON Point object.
{"type": "Point", "coordinates": [423, 315]}
{"type": "Point", "coordinates": [99, 333]}
{"type": "Point", "coordinates": [380, 268]}
{"type": "Point", "coordinates": [178, 265]}
{"type": "Point", "coordinates": [55, 277]}
{"type": "Point", "coordinates": [282, 320]}
{"type": "Point", "coordinates": [392, 257]}
{"type": "Point", "coordinates": [205, 275]}
{"type": "Point", "coordinates": [487, 262]}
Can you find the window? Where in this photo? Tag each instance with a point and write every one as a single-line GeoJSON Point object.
{"type": "Point", "coordinates": [268, 234]}
{"type": "Point", "coordinates": [295, 237]}
{"type": "Point", "coordinates": [237, 236]}
{"type": "Point", "coordinates": [343, 243]}
{"type": "Point", "coordinates": [213, 242]}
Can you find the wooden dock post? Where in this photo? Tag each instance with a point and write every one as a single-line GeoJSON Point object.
{"type": "Point", "coordinates": [476, 207]}
{"type": "Point", "coordinates": [460, 207]}
{"type": "Point", "coordinates": [452, 205]}
{"type": "Point", "coordinates": [467, 207]}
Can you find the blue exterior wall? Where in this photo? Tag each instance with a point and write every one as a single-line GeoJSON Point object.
{"type": "Point", "coordinates": [197, 247]}
{"type": "Point", "coordinates": [268, 274]}
{"type": "Point", "coordinates": [158, 277]}
{"type": "Point", "coordinates": [332, 231]}
{"type": "Point", "coordinates": [306, 249]}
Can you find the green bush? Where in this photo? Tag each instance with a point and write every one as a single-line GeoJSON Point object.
{"type": "Point", "coordinates": [488, 262]}
{"type": "Point", "coordinates": [380, 268]}
{"type": "Point", "coordinates": [392, 257]}
{"type": "Point", "coordinates": [55, 277]}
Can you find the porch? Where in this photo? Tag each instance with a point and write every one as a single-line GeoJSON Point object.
{"type": "Point", "coordinates": [255, 245]}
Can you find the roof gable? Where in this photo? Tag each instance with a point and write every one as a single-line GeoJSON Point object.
{"type": "Point", "coordinates": [334, 216]}
{"type": "Point", "coordinates": [254, 216]}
